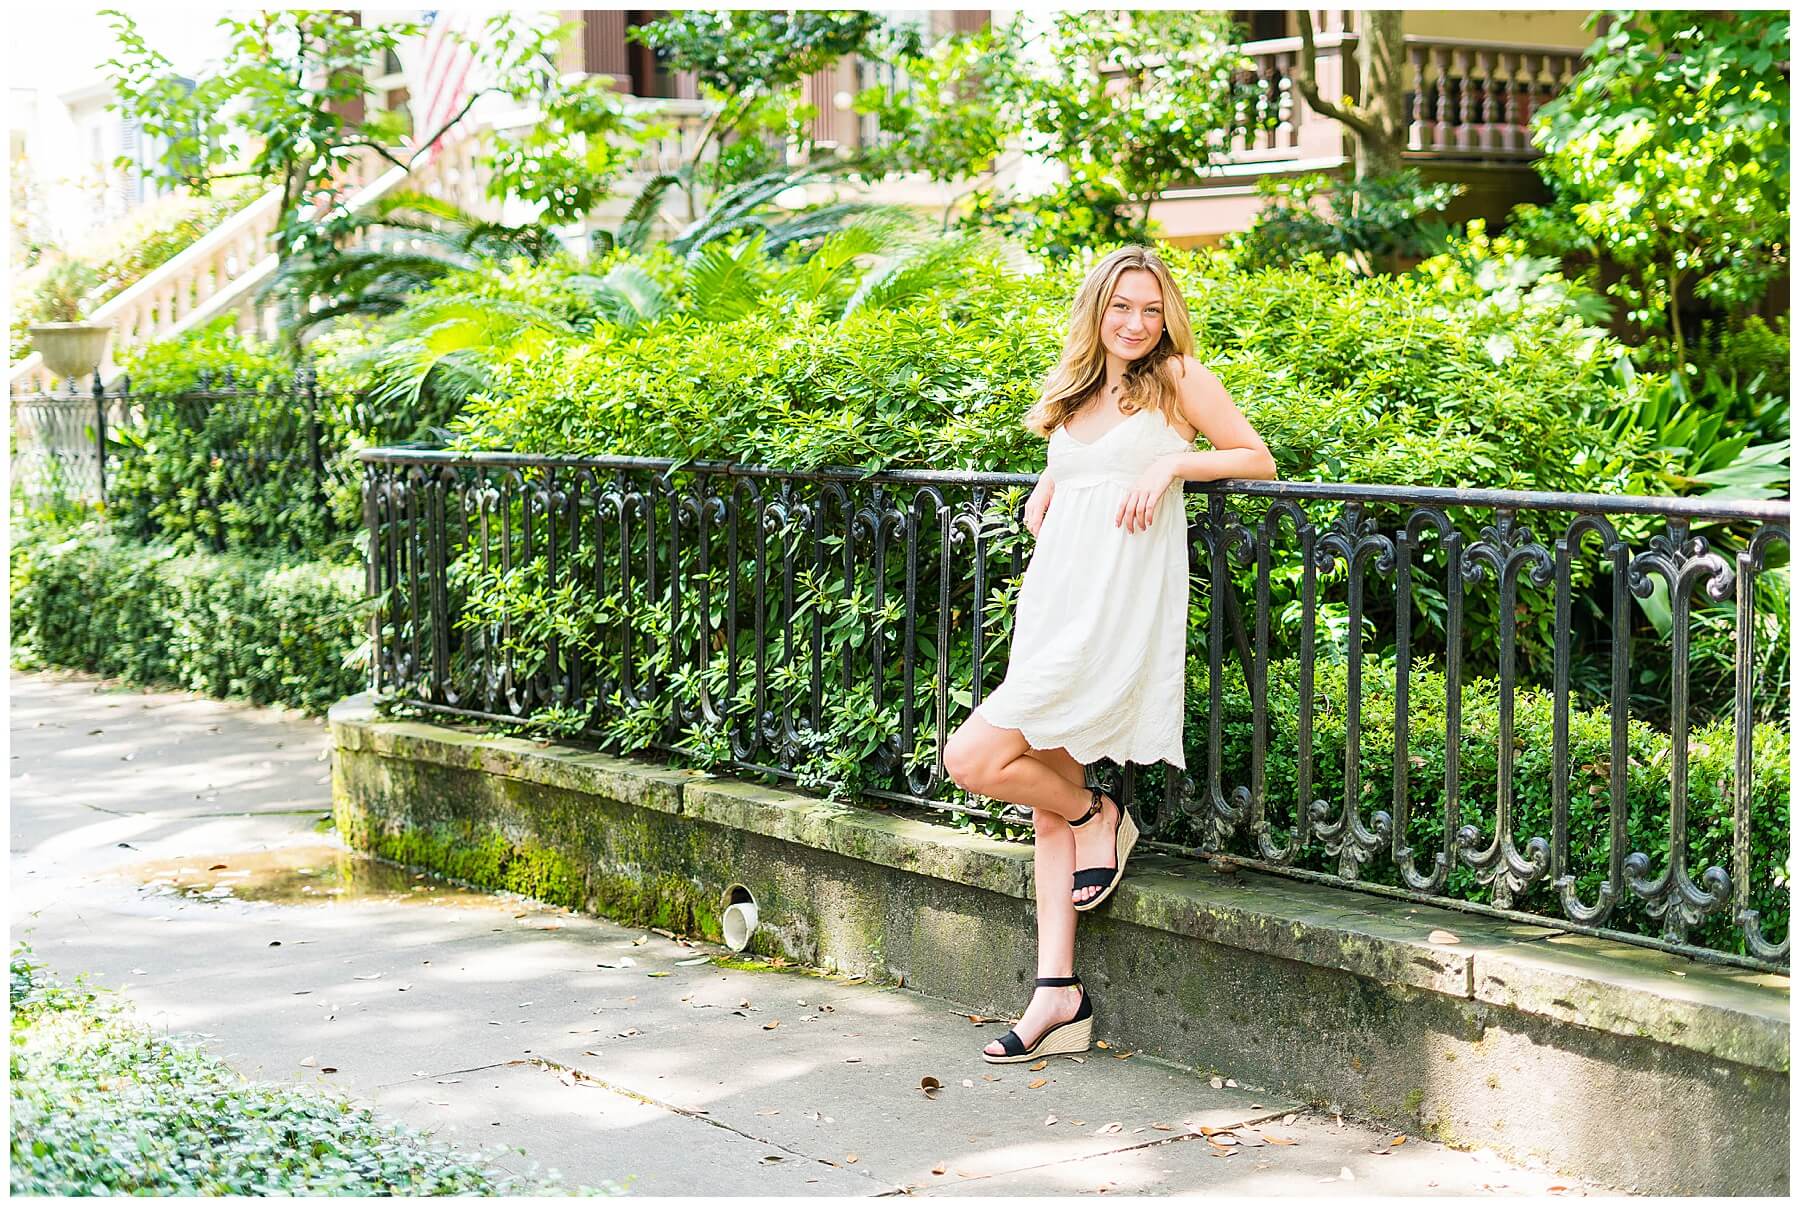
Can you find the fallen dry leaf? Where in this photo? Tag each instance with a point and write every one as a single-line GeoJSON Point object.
{"type": "Point", "coordinates": [1277, 1139]}
{"type": "Point", "coordinates": [1101, 1043]}
{"type": "Point", "coordinates": [1218, 1083]}
{"type": "Point", "coordinates": [1038, 1083]}
{"type": "Point", "coordinates": [658, 973]}
{"type": "Point", "coordinates": [1442, 936]}
{"type": "Point", "coordinates": [1397, 1141]}
{"type": "Point", "coordinates": [1223, 1140]}
{"type": "Point", "coordinates": [217, 867]}
{"type": "Point", "coordinates": [1040, 1066]}
{"type": "Point", "coordinates": [328, 1069]}
{"type": "Point", "coordinates": [1050, 1121]}
{"type": "Point", "coordinates": [930, 1085]}
{"type": "Point", "coordinates": [852, 1159]}
{"type": "Point", "coordinates": [938, 1169]}
{"type": "Point", "coordinates": [852, 1060]}
{"type": "Point", "coordinates": [1110, 1129]}
{"type": "Point", "coordinates": [771, 1024]}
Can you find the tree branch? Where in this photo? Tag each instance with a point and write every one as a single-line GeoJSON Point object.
{"type": "Point", "coordinates": [378, 149]}
{"type": "Point", "coordinates": [460, 114]}
{"type": "Point", "coordinates": [1305, 80]}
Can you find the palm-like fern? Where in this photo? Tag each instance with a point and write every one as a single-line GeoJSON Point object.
{"type": "Point", "coordinates": [399, 245]}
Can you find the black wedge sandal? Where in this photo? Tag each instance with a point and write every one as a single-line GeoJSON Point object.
{"type": "Point", "coordinates": [1072, 1036]}
{"type": "Point", "coordinates": [1104, 879]}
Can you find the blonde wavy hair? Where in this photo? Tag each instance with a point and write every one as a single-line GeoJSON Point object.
{"type": "Point", "coordinates": [1082, 369]}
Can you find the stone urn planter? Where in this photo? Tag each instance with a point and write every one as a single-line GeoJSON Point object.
{"type": "Point", "coordinates": [72, 351]}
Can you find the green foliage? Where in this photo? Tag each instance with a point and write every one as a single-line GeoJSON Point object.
{"type": "Point", "coordinates": [750, 63]}
{"type": "Point", "coordinates": [455, 340]}
{"type": "Point", "coordinates": [1160, 116]}
{"type": "Point", "coordinates": [231, 625]}
{"type": "Point", "coordinates": [66, 294]}
{"type": "Point", "coordinates": [273, 105]}
{"type": "Point", "coordinates": [1374, 223]}
{"type": "Point", "coordinates": [1669, 154]}
{"type": "Point", "coordinates": [273, 110]}
{"type": "Point", "coordinates": [219, 448]}
{"type": "Point", "coordinates": [568, 161]}
{"type": "Point", "coordinates": [103, 1105]}
{"type": "Point", "coordinates": [405, 242]}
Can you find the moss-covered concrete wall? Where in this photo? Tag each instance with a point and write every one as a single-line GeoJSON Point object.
{"type": "Point", "coordinates": [1589, 1054]}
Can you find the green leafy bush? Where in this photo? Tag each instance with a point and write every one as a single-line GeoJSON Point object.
{"type": "Point", "coordinates": [230, 444]}
{"type": "Point", "coordinates": [1374, 223]}
{"type": "Point", "coordinates": [230, 625]}
{"type": "Point", "coordinates": [103, 1105]}
{"type": "Point", "coordinates": [1348, 379]}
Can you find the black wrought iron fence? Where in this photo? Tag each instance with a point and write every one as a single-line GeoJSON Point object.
{"type": "Point", "coordinates": [1568, 709]}
{"type": "Point", "coordinates": [226, 462]}
{"type": "Point", "coordinates": [56, 443]}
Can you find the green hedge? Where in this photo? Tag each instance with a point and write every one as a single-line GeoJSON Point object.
{"type": "Point", "coordinates": [1348, 379]}
{"type": "Point", "coordinates": [234, 470]}
{"type": "Point", "coordinates": [230, 625]}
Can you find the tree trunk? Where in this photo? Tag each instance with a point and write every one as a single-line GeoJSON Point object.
{"type": "Point", "coordinates": [1377, 121]}
{"type": "Point", "coordinates": [1381, 62]}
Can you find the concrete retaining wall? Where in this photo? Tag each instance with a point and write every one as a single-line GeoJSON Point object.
{"type": "Point", "coordinates": [1628, 1066]}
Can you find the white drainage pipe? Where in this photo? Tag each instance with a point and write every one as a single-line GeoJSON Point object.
{"type": "Point", "coordinates": [740, 917]}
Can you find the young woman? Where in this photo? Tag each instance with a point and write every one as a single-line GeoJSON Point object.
{"type": "Point", "coordinates": [1100, 635]}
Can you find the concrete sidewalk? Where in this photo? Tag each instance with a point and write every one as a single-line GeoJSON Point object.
{"type": "Point", "coordinates": [178, 849]}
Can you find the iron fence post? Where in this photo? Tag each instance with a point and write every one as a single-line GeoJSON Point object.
{"type": "Point", "coordinates": [100, 432]}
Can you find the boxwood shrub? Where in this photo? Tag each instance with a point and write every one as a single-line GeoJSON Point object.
{"type": "Point", "coordinates": [227, 624]}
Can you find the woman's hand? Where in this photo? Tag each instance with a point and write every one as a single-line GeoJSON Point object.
{"type": "Point", "coordinates": [1139, 505]}
{"type": "Point", "coordinates": [1039, 503]}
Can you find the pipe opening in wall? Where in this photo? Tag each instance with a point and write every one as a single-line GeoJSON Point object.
{"type": "Point", "coordinates": [739, 919]}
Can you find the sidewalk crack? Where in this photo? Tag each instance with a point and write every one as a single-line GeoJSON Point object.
{"type": "Point", "coordinates": [580, 1076]}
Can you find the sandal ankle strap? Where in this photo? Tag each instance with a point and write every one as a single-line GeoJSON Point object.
{"type": "Point", "coordinates": [1093, 810]}
{"type": "Point", "coordinates": [1056, 981]}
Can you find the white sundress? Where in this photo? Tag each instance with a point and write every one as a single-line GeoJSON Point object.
{"type": "Point", "coordinates": [1099, 644]}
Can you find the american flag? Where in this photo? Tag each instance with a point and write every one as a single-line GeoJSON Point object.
{"type": "Point", "coordinates": [443, 71]}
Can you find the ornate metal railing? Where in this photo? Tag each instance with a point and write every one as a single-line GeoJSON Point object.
{"type": "Point", "coordinates": [225, 463]}
{"type": "Point", "coordinates": [1574, 705]}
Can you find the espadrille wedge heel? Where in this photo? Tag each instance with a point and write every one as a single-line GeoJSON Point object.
{"type": "Point", "coordinates": [1105, 879]}
{"type": "Point", "coordinates": [1073, 1036]}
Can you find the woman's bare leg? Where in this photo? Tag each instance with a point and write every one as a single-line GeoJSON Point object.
{"type": "Point", "coordinates": [1053, 860]}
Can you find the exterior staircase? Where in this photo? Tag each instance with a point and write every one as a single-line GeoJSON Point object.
{"type": "Point", "coordinates": [222, 271]}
